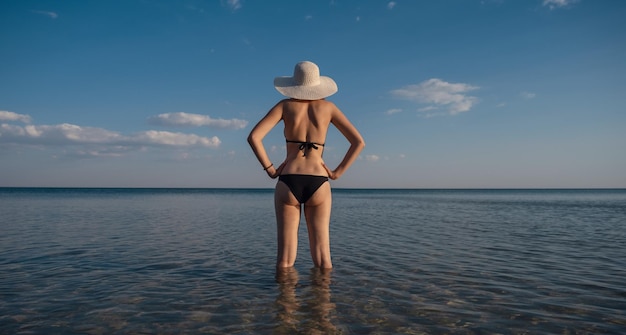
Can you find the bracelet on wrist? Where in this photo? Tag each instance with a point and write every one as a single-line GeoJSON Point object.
{"type": "Point", "coordinates": [269, 166]}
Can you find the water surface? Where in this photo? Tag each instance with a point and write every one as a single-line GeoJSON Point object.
{"type": "Point", "coordinates": [172, 261]}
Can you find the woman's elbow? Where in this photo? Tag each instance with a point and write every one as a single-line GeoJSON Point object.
{"type": "Point", "coordinates": [252, 139]}
{"type": "Point", "coordinates": [359, 143]}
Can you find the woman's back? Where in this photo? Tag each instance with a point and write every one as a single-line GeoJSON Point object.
{"type": "Point", "coordinates": [306, 125]}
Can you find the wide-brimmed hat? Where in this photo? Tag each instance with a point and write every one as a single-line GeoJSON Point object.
{"type": "Point", "coordinates": [306, 83]}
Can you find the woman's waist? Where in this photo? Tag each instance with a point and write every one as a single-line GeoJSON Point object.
{"type": "Point", "coordinates": [305, 166]}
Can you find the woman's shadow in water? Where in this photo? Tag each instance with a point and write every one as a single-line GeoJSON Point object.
{"type": "Point", "coordinates": [301, 308]}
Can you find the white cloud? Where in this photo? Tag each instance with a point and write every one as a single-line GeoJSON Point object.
{"type": "Point", "coordinates": [402, 156]}
{"type": "Point", "coordinates": [391, 4]}
{"type": "Point", "coordinates": [154, 137]}
{"type": "Point", "coordinates": [78, 141]}
{"type": "Point", "coordinates": [431, 115]}
{"type": "Point", "coordinates": [528, 95]}
{"type": "Point", "coordinates": [196, 120]}
{"type": "Point", "coordinates": [393, 111]}
{"type": "Point", "coordinates": [69, 134]}
{"type": "Point", "coordinates": [234, 4]}
{"type": "Point", "coordinates": [57, 134]}
{"type": "Point", "coordinates": [440, 93]}
{"type": "Point", "coordinates": [426, 109]}
{"type": "Point", "coordinates": [308, 17]}
{"type": "Point", "coordinates": [552, 4]}
{"type": "Point", "coordinates": [10, 116]}
{"type": "Point", "coordinates": [51, 15]}
{"type": "Point", "coordinates": [372, 158]}
{"type": "Point", "coordinates": [102, 151]}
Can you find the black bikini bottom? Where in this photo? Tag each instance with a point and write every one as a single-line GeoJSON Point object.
{"type": "Point", "coordinates": [302, 186]}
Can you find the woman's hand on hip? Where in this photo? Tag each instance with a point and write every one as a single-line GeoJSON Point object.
{"type": "Point", "coordinates": [273, 172]}
{"type": "Point", "coordinates": [331, 174]}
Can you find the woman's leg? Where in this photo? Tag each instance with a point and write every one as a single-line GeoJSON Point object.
{"type": "Point", "coordinates": [317, 214]}
{"type": "Point", "coordinates": [287, 222]}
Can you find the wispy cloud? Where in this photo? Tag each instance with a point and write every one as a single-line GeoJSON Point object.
{"type": "Point", "coordinates": [391, 4]}
{"type": "Point", "coordinates": [196, 120]}
{"type": "Point", "coordinates": [101, 151]}
{"type": "Point", "coordinates": [58, 134]}
{"type": "Point", "coordinates": [153, 137]}
{"type": "Point", "coordinates": [553, 4]}
{"type": "Point", "coordinates": [69, 134]}
{"type": "Point", "coordinates": [79, 141]}
{"type": "Point", "coordinates": [393, 111]}
{"type": "Point", "coordinates": [234, 4]}
{"type": "Point", "coordinates": [10, 116]}
{"type": "Point", "coordinates": [528, 95]}
{"type": "Point", "coordinates": [51, 15]}
{"type": "Point", "coordinates": [427, 109]}
{"type": "Point", "coordinates": [372, 158]}
{"type": "Point", "coordinates": [438, 93]}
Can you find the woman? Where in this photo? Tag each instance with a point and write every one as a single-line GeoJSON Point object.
{"type": "Point", "coordinates": [303, 176]}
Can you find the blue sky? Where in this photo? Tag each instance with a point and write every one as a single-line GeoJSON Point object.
{"type": "Point", "coordinates": [447, 94]}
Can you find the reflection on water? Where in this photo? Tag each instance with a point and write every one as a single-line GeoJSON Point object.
{"type": "Point", "coordinates": [304, 309]}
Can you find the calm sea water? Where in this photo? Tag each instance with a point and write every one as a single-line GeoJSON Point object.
{"type": "Point", "coordinates": [177, 261]}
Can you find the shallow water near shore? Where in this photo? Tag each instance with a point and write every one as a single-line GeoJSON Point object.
{"type": "Point", "coordinates": [188, 261]}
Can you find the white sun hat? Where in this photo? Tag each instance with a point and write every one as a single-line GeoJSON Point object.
{"type": "Point", "coordinates": [306, 83]}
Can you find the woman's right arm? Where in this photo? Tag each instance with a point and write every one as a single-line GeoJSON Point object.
{"type": "Point", "coordinates": [353, 136]}
{"type": "Point", "coordinates": [255, 139]}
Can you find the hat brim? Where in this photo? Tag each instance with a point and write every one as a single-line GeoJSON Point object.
{"type": "Point", "coordinates": [287, 87]}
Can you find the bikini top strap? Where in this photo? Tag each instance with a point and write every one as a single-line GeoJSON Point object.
{"type": "Point", "coordinates": [304, 146]}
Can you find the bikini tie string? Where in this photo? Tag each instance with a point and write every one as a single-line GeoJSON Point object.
{"type": "Point", "coordinates": [304, 146]}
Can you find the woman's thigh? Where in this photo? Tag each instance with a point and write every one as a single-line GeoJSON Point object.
{"type": "Point", "coordinates": [317, 209]}
{"type": "Point", "coordinates": [287, 212]}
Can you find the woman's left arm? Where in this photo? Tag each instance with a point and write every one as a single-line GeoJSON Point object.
{"type": "Point", "coordinates": [255, 139]}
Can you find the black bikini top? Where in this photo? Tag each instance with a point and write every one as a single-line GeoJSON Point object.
{"type": "Point", "coordinates": [304, 146]}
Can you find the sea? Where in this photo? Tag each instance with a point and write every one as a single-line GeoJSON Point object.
{"type": "Point", "coordinates": [202, 261]}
